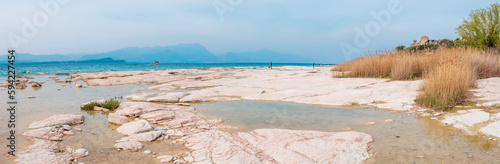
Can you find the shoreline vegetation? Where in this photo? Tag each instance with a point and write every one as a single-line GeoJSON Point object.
{"type": "Point", "coordinates": [449, 68]}
{"type": "Point", "coordinates": [448, 73]}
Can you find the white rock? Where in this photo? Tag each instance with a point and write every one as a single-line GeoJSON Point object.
{"type": "Point", "coordinates": [279, 146]}
{"type": "Point", "coordinates": [129, 145]}
{"type": "Point", "coordinates": [492, 129]}
{"type": "Point", "coordinates": [48, 133]}
{"type": "Point", "coordinates": [58, 119]}
{"type": "Point", "coordinates": [135, 127]}
{"type": "Point", "coordinates": [147, 151]}
{"type": "Point", "coordinates": [79, 153]}
{"type": "Point", "coordinates": [148, 136]}
{"type": "Point", "coordinates": [117, 119]}
{"type": "Point", "coordinates": [165, 158]}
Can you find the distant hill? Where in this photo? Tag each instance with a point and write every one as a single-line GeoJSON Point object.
{"type": "Point", "coordinates": [98, 61]}
{"type": "Point", "coordinates": [29, 58]}
{"type": "Point", "coordinates": [264, 55]}
{"type": "Point", "coordinates": [181, 53]}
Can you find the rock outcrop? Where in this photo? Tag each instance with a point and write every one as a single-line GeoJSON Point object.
{"type": "Point", "coordinates": [279, 146]}
{"type": "Point", "coordinates": [57, 120]}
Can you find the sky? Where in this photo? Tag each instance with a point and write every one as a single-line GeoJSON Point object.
{"type": "Point", "coordinates": [327, 31]}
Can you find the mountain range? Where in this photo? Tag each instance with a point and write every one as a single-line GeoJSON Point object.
{"type": "Point", "coordinates": [181, 53]}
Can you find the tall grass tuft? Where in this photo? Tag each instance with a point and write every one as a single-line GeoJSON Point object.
{"type": "Point", "coordinates": [449, 73]}
{"type": "Point", "coordinates": [446, 86]}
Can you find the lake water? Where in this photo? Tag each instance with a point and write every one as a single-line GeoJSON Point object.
{"type": "Point", "coordinates": [74, 68]}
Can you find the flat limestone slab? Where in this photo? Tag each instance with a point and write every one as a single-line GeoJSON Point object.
{"type": "Point", "coordinates": [279, 146]}
{"type": "Point", "coordinates": [58, 119]}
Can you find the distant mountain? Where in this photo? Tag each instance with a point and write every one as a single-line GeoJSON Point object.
{"type": "Point", "coordinates": [96, 61]}
{"type": "Point", "coordinates": [29, 58]}
{"type": "Point", "coordinates": [264, 55]}
{"type": "Point", "coordinates": [181, 53]}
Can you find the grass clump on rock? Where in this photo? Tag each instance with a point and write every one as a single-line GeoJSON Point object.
{"type": "Point", "coordinates": [111, 104]}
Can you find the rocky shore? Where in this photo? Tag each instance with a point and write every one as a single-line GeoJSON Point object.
{"type": "Point", "coordinates": [163, 112]}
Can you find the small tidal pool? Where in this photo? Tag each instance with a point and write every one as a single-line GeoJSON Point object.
{"type": "Point", "coordinates": [408, 139]}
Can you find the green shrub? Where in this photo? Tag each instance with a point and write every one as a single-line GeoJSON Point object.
{"type": "Point", "coordinates": [111, 104]}
{"type": "Point", "coordinates": [400, 48]}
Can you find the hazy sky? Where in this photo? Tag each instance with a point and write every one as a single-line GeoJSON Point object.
{"type": "Point", "coordinates": [314, 28]}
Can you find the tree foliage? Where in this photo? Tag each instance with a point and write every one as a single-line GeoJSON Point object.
{"type": "Point", "coordinates": [482, 28]}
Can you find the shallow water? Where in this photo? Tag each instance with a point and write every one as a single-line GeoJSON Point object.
{"type": "Point", "coordinates": [49, 101]}
{"type": "Point", "coordinates": [418, 140]}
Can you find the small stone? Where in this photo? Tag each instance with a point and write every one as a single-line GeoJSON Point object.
{"type": "Point", "coordinates": [389, 120]}
{"type": "Point", "coordinates": [165, 158]}
{"type": "Point", "coordinates": [78, 129]}
{"type": "Point", "coordinates": [437, 114]}
{"type": "Point", "coordinates": [404, 122]}
{"type": "Point", "coordinates": [179, 161]}
{"type": "Point", "coordinates": [92, 132]}
{"type": "Point", "coordinates": [67, 127]}
{"type": "Point", "coordinates": [78, 85]}
{"type": "Point", "coordinates": [147, 151]}
{"type": "Point", "coordinates": [189, 159]}
{"type": "Point", "coordinates": [68, 133]}
{"type": "Point", "coordinates": [348, 128]}
{"type": "Point", "coordinates": [420, 156]}
{"type": "Point", "coordinates": [31, 97]}
{"type": "Point", "coordinates": [372, 123]}
{"type": "Point", "coordinates": [79, 153]}
{"type": "Point", "coordinates": [96, 108]}
{"type": "Point", "coordinates": [434, 118]}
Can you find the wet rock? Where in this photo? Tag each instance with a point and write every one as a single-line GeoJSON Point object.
{"type": "Point", "coordinates": [135, 127]}
{"type": "Point", "coordinates": [79, 153]}
{"type": "Point", "coordinates": [62, 74]}
{"type": "Point", "coordinates": [58, 119]}
{"type": "Point", "coordinates": [67, 127]}
{"type": "Point", "coordinates": [492, 129]}
{"type": "Point", "coordinates": [96, 108]}
{"type": "Point", "coordinates": [279, 146]}
{"type": "Point", "coordinates": [78, 85]}
{"type": "Point", "coordinates": [117, 119]}
{"type": "Point", "coordinates": [148, 136]}
{"type": "Point", "coordinates": [36, 85]}
{"type": "Point", "coordinates": [175, 133]}
{"type": "Point", "coordinates": [169, 97]}
{"type": "Point", "coordinates": [42, 152]}
{"type": "Point", "coordinates": [68, 133]}
{"type": "Point", "coordinates": [48, 133]}
{"type": "Point", "coordinates": [165, 158]}
{"type": "Point", "coordinates": [31, 97]}
{"type": "Point", "coordinates": [21, 86]}
{"type": "Point", "coordinates": [129, 145]}
{"type": "Point", "coordinates": [465, 118]}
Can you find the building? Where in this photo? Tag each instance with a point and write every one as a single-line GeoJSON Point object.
{"type": "Point", "coordinates": [424, 40]}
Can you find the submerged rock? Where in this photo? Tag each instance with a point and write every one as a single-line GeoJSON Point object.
{"type": "Point", "coordinates": [58, 119]}
{"type": "Point", "coordinates": [279, 146]}
{"type": "Point", "coordinates": [117, 119]}
{"type": "Point", "coordinates": [135, 127]}
{"type": "Point", "coordinates": [165, 158]}
{"type": "Point", "coordinates": [41, 152]}
{"type": "Point", "coordinates": [48, 133]}
{"type": "Point", "coordinates": [129, 145]}
{"type": "Point", "coordinates": [492, 129]}
{"type": "Point", "coordinates": [148, 136]}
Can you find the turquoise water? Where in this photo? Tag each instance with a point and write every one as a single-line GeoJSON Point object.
{"type": "Point", "coordinates": [74, 68]}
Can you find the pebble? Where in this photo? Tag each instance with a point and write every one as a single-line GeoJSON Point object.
{"type": "Point", "coordinates": [147, 151]}
{"type": "Point", "coordinates": [348, 128]}
{"type": "Point", "coordinates": [67, 127]}
{"type": "Point", "coordinates": [389, 120]}
{"type": "Point", "coordinates": [434, 118]}
{"type": "Point", "coordinates": [372, 123]}
{"type": "Point", "coordinates": [31, 97]}
{"type": "Point", "coordinates": [403, 122]}
{"type": "Point", "coordinates": [78, 129]}
{"type": "Point", "coordinates": [420, 156]}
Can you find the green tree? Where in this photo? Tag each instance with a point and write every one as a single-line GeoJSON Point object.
{"type": "Point", "coordinates": [482, 28]}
